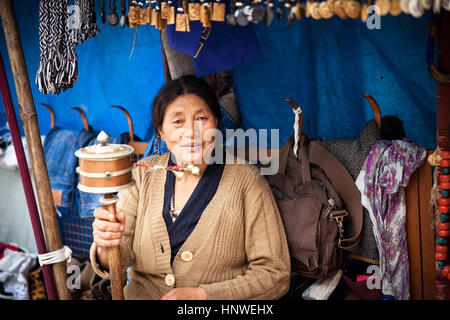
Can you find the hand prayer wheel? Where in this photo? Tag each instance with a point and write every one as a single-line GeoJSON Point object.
{"type": "Point", "coordinates": [106, 169]}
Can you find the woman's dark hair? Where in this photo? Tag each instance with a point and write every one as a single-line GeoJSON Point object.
{"type": "Point", "coordinates": [188, 84]}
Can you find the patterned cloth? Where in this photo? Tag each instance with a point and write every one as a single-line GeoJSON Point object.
{"type": "Point", "coordinates": [382, 183]}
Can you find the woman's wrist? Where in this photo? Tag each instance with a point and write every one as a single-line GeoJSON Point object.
{"type": "Point", "coordinates": [102, 257]}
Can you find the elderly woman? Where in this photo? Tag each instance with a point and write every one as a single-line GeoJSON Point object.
{"type": "Point", "coordinates": [217, 235]}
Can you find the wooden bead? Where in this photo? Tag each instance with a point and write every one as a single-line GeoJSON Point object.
{"type": "Point", "coordinates": [444, 201]}
{"type": "Point", "coordinates": [445, 154]}
{"type": "Point", "coordinates": [444, 225]}
{"type": "Point", "coordinates": [441, 249]}
{"type": "Point", "coordinates": [446, 271]}
{"type": "Point", "coordinates": [445, 163]}
{"type": "Point", "coordinates": [444, 178]}
{"type": "Point", "coordinates": [440, 256]}
{"type": "Point", "coordinates": [445, 185]}
{"type": "Point", "coordinates": [444, 209]}
{"type": "Point", "coordinates": [443, 233]}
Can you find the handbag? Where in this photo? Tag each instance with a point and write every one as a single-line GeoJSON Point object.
{"type": "Point", "coordinates": [319, 198]}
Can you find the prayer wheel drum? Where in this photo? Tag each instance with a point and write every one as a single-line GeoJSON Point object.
{"type": "Point", "coordinates": [105, 168]}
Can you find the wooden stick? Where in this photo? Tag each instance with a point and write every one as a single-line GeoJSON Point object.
{"type": "Point", "coordinates": [113, 253]}
{"type": "Point", "coordinates": [33, 137]}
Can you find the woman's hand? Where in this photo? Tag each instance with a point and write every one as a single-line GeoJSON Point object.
{"type": "Point", "coordinates": [107, 232]}
{"type": "Point", "coordinates": [187, 293]}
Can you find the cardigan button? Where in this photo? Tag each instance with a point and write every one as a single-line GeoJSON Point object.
{"type": "Point", "coordinates": [187, 256]}
{"type": "Point", "coordinates": [170, 280]}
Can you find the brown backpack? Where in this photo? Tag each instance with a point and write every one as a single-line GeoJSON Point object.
{"type": "Point", "coordinates": [316, 198]}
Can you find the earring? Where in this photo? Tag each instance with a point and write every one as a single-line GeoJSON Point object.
{"type": "Point", "coordinates": [158, 145]}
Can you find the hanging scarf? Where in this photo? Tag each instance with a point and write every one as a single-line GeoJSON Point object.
{"type": "Point", "coordinates": [382, 183]}
{"type": "Point", "coordinates": [88, 27]}
{"type": "Point", "coordinates": [59, 33]}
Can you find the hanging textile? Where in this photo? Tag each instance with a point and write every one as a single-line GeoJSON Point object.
{"type": "Point", "coordinates": [382, 183]}
{"type": "Point", "coordinates": [87, 23]}
{"type": "Point", "coordinates": [59, 33]}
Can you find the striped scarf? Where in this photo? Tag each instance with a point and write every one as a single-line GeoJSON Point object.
{"type": "Point", "coordinates": [59, 34]}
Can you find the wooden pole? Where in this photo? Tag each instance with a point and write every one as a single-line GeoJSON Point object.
{"type": "Point", "coordinates": [33, 138]}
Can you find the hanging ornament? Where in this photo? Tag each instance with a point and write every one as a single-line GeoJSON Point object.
{"type": "Point", "coordinates": [443, 226]}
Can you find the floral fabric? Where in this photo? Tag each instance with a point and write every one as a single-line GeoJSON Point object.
{"type": "Point", "coordinates": [382, 183]}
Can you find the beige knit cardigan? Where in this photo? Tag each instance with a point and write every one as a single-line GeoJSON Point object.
{"type": "Point", "coordinates": [238, 249]}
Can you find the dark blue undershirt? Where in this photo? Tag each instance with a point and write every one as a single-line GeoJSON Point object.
{"type": "Point", "coordinates": [188, 218]}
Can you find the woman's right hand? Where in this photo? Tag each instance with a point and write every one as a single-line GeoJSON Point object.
{"type": "Point", "coordinates": [106, 230]}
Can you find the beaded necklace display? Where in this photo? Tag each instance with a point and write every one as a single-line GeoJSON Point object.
{"type": "Point", "coordinates": [444, 209]}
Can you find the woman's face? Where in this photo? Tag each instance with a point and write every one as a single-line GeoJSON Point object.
{"type": "Point", "coordinates": [185, 129]}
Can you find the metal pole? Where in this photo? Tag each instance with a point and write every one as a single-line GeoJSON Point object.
{"type": "Point", "coordinates": [33, 137]}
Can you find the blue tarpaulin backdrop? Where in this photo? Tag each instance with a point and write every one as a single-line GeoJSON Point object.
{"type": "Point", "coordinates": [326, 66]}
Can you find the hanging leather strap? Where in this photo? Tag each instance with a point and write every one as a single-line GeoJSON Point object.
{"type": "Point", "coordinates": [283, 155]}
{"type": "Point", "coordinates": [345, 187]}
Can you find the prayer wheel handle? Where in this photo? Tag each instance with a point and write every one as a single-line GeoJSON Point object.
{"type": "Point", "coordinates": [108, 202]}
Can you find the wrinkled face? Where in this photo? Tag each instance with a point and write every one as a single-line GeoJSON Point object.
{"type": "Point", "coordinates": [187, 129]}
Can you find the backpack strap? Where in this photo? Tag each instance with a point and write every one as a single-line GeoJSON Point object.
{"type": "Point", "coordinates": [344, 185]}
{"type": "Point", "coordinates": [283, 155]}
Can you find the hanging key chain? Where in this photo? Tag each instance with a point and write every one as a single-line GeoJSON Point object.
{"type": "Point", "coordinates": [112, 18]}
{"type": "Point", "coordinates": [186, 16]}
{"type": "Point", "coordinates": [103, 14]}
{"type": "Point", "coordinates": [353, 9]}
{"type": "Point", "coordinates": [298, 10]}
{"type": "Point", "coordinates": [194, 10]}
{"type": "Point", "coordinates": [164, 10]}
{"type": "Point", "coordinates": [122, 13]}
{"type": "Point", "coordinates": [180, 25]}
{"type": "Point", "coordinates": [269, 12]}
{"type": "Point", "coordinates": [241, 17]}
{"type": "Point", "coordinates": [231, 18]}
{"type": "Point", "coordinates": [218, 11]}
{"type": "Point", "coordinates": [170, 13]}
{"type": "Point", "coordinates": [258, 12]}
{"type": "Point", "coordinates": [416, 9]}
{"type": "Point", "coordinates": [290, 13]}
{"type": "Point", "coordinates": [153, 13]}
{"type": "Point", "coordinates": [205, 13]}
{"type": "Point", "coordinates": [280, 10]}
